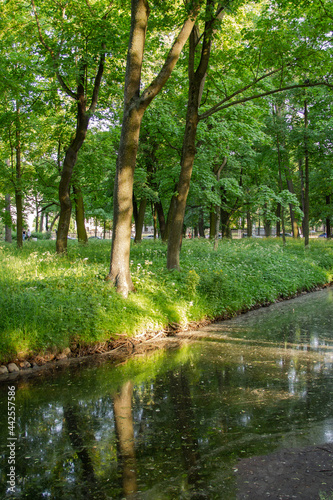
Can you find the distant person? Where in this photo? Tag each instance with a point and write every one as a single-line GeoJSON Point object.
{"type": "Point", "coordinates": [24, 234]}
{"type": "Point", "coordinates": [29, 234]}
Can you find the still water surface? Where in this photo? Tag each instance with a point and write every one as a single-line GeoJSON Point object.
{"type": "Point", "coordinates": [175, 423]}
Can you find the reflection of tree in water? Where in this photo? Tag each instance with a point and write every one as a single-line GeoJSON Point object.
{"type": "Point", "coordinates": [122, 407]}
{"type": "Point", "coordinates": [89, 486]}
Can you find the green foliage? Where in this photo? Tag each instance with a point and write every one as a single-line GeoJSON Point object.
{"type": "Point", "coordinates": [50, 302]}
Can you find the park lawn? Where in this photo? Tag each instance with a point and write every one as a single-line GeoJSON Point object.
{"type": "Point", "coordinates": [49, 302]}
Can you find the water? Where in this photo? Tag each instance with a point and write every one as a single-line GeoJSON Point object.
{"type": "Point", "coordinates": [174, 424]}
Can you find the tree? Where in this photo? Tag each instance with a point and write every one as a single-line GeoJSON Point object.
{"type": "Point", "coordinates": [135, 104]}
{"type": "Point", "coordinates": [81, 47]}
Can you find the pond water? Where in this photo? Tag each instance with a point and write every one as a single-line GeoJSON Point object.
{"type": "Point", "coordinates": [175, 423]}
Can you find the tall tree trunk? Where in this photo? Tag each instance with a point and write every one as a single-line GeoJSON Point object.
{"type": "Point", "coordinates": [41, 222]}
{"type": "Point", "coordinates": [161, 219]}
{"type": "Point", "coordinates": [201, 225]}
{"type": "Point", "coordinates": [306, 177]}
{"type": "Point", "coordinates": [248, 224]}
{"type": "Point", "coordinates": [79, 214]}
{"type": "Point", "coordinates": [154, 213]}
{"type": "Point", "coordinates": [18, 182]}
{"type": "Point", "coordinates": [214, 226]}
{"type": "Point", "coordinates": [212, 223]}
{"type": "Point", "coordinates": [82, 122]}
{"type": "Point", "coordinates": [134, 108]}
{"type": "Point", "coordinates": [281, 187]}
{"type": "Point", "coordinates": [278, 223]}
{"type": "Point", "coordinates": [54, 221]}
{"type": "Point", "coordinates": [169, 217]}
{"type": "Point", "coordinates": [301, 175]}
{"type": "Point", "coordinates": [8, 220]}
{"type": "Point", "coordinates": [139, 220]}
{"type": "Point", "coordinates": [196, 85]}
{"type": "Point", "coordinates": [66, 175]}
{"type": "Point", "coordinates": [37, 214]}
{"type": "Point", "coordinates": [328, 219]}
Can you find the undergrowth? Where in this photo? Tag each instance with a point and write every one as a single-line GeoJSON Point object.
{"type": "Point", "coordinates": [48, 302]}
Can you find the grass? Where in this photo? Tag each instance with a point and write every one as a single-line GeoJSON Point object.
{"type": "Point", "coordinates": [49, 302]}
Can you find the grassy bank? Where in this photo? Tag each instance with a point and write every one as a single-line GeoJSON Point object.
{"type": "Point", "coordinates": [49, 302]}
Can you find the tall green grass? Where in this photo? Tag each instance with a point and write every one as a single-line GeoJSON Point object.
{"type": "Point", "coordinates": [48, 302]}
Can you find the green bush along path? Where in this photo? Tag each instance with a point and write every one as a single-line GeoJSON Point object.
{"type": "Point", "coordinates": [50, 302]}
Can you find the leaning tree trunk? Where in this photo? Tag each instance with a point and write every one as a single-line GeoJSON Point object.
{"type": "Point", "coordinates": [196, 85]}
{"type": "Point", "coordinates": [66, 178]}
{"type": "Point", "coordinates": [79, 214]}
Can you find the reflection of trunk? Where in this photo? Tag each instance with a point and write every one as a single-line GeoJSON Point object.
{"type": "Point", "coordinates": [122, 407]}
{"type": "Point", "coordinates": [184, 418]}
{"type": "Point", "coordinates": [139, 217]}
{"type": "Point", "coordinates": [306, 178]}
{"type": "Point", "coordinates": [328, 220]}
{"type": "Point", "coordinates": [80, 449]}
{"type": "Point", "coordinates": [79, 214]}
{"type": "Point", "coordinates": [8, 220]}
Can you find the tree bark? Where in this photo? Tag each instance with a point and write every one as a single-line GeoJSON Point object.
{"type": "Point", "coordinates": [79, 214]}
{"type": "Point", "coordinates": [8, 220]}
{"type": "Point", "coordinates": [134, 108]}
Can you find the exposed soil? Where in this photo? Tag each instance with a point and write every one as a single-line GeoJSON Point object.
{"type": "Point", "coordinates": [302, 474]}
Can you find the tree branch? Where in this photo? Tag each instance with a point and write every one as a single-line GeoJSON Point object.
{"type": "Point", "coordinates": [98, 80]}
{"type": "Point", "coordinates": [53, 56]}
{"type": "Point", "coordinates": [240, 91]}
{"type": "Point", "coordinates": [215, 109]}
{"type": "Point", "coordinates": [171, 60]}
